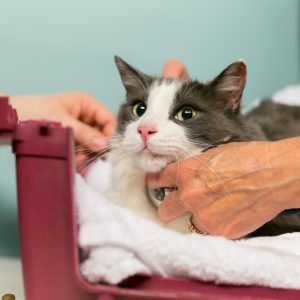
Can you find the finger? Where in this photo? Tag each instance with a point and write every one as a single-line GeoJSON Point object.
{"type": "Point", "coordinates": [168, 177]}
{"type": "Point", "coordinates": [109, 129]}
{"type": "Point", "coordinates": [103, 118]}
{"type": "Point", "coordinates": [171, 207]}
{"type": "Point", "coordinates": [175, 69]}
{"type": "Point", "coordinates": [87, 135]}
{"type": "Point", "coordinates": [80, 158]}
{"type": "Point", "coordinates": [82, 170]}
{"type": "Point", "coordinates": [198, 225]}
{"type": "Point", "coordinates": [92, 112]}
{"type": "Point", "coordinates": [82, 164]}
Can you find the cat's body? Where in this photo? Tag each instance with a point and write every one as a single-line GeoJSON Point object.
{"type": "Point", "coordinates": [166, 120]}
{"type": "Point", "coordinates": [277, 121]}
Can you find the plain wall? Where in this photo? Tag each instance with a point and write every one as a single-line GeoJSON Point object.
{"type": "Point", "coordinates": [65, 45]}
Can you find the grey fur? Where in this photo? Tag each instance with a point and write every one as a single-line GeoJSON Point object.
{"type": "Point", "coordinates": [218, 118]}
{"type": "Point", "coordinates": [278, 121]}
{"type": "Point", "coordinates": [137, 86]}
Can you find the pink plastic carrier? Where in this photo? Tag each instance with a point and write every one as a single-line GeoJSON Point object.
{"type": "Point", "coordinates": [48, 232]}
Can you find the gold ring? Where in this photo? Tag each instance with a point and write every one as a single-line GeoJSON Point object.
{"type": "Point", "coordinates": [193, 229]}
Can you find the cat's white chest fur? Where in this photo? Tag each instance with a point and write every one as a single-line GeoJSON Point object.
{"type": "Point", "coordinates": [127, 188]}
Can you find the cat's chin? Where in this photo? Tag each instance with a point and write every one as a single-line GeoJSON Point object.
{"type": "Point", "coordinates": [152, 165]}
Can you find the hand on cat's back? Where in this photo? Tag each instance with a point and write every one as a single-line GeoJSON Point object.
{"type": "Point", "coordinates": [175, 69]}
{"type": "Point", "coordinates": [233, 189]}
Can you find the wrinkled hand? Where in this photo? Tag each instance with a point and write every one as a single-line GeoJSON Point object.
{"type": "Point", "coordinates": [92, 122]}
{"type": "Point", "coordinates": [233, 189]}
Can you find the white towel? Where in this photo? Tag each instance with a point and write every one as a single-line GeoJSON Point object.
{"type": "Point", "coordinates": [117, 244]}
{"type": "Point", "coordinates": [289, 95]}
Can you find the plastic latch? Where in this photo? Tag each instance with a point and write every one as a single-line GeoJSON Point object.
{"type": "Point", "coordinates": [8, 120]}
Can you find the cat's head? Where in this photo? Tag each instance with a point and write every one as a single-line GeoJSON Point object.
{"type": "Point", "coordinates": [164, 120]}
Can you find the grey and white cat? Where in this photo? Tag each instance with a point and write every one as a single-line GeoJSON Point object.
{"type": "Point", "coordinates": [165, 120]}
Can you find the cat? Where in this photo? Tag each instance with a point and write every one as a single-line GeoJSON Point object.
{"type": "Point", "coordinates": [164, 120]}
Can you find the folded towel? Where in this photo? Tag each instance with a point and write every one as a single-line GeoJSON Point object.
{"type": "Point", "coordinates": [117, 244]}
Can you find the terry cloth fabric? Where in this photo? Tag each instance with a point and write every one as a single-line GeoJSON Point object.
{"type": "Point", "coordinates": [117, 244]}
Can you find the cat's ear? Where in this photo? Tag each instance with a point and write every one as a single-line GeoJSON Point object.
{"type": "Point", "coordinates": [229, 86]}
{"type": "Point", "coordinates": [132, 78]}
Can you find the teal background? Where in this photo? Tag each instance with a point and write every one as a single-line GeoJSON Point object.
{"type": "Point", "coordinates": [65, 45]}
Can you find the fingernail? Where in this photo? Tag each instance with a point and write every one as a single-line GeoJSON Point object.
{"type": "Point", "coordinates": [98, 142]}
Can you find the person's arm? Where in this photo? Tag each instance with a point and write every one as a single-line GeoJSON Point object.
{"type": "Point", "coordinates": [233, 189]}
{"type": "Point", "coordinates": [92, 122]}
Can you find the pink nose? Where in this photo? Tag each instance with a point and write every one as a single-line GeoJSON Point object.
{"type": "Point", "coordinates": [145, 131]}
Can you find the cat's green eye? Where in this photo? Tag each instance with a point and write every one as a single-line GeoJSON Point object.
{"type": "Point", "coordinates": [185, 113]}
{"type": "Point", "coordinates": [139, 109]}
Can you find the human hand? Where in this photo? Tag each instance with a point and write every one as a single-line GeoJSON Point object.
{"type": "Point", "coordinates": [175, 69]}
{"type": "Point", "coordinates": [233, 189]}
{"type": "Point", "coordinates": [92, 122]}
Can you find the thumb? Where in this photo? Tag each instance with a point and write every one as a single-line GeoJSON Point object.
{"type": "Point", "coordinates": [168, 177]}
{"type": "Point", "coordinates": [171, 207]}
